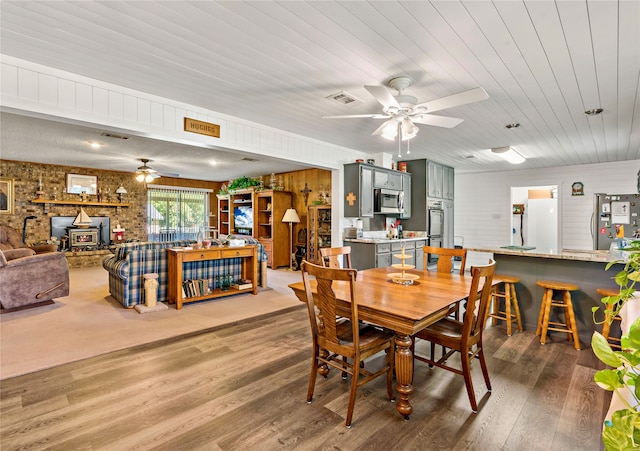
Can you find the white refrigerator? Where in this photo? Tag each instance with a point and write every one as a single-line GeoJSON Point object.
{"type": "Point", "coordinates": [542, 224]}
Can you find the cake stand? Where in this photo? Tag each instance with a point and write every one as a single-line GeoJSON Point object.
{"type": "Point", "coordinates": [403, 277]}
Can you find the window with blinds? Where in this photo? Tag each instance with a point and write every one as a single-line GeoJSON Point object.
{"type": "Point", "coordinates": [176, 213]}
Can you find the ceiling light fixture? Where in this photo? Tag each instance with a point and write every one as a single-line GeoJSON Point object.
{"type": "Point", "coordinates": [147, 178]}
{"type": "Point", "coordinates": [513, 125]}
{"type": "Point", "coordinates": [94, 144]}
{"type": "Point", "coordinates": [409, 129]}
{"type": "Point", "coordinates": [509, 154]}
{"type": "Point", "coordinates": [593, 111]}
{"type": "Point", "coordinates": [390, 130]}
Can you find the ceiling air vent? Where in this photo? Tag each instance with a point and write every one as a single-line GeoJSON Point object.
{"type": "Point", "coordinates": [249, 159]}
{"type": "Point", "coordinates": [113, 135]}
{"type": "Point", "coordinates": [343, 98]}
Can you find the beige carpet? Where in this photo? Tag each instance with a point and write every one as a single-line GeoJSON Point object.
{"type": "Point", "coordinates": [90, 322]}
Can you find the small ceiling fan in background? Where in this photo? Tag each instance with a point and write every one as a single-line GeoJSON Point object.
{"type": "Point", "coordinates": [403, 111]}
{"type": "Point", "coordinates": [146, 174]}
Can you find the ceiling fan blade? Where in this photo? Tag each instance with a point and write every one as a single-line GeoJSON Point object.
{"type": "Point", "coordinates": [379, 130]}
{"type": "Point", "coordinates": [436, 121]}
{"type": "Point", "coordinates": [166, 174]}
{"type": "Point", "coordinates": [383, 96]}
{"type": "Point", "coordinates": [454, 100]}
{"type": "Point", "coordinates": [348, 116]}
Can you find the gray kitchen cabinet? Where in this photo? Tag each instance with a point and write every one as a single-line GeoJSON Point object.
{"type": "Point", "coordinates": [370, 255]}
{"type": "Point", "coordinates": [358, 188]}
{"type": "Point", "coordinates": [409, 249]}
{"type": "Point", "coordinates": [420, 254]}
{"type": "Point", "coordinates": [386, 178]}
{"type": "Point", "coordinates": [383, 260]}
{"type": "Point", "coordinates": [406, 190]}
{"type": "Point", "coordinates": [359, 183]}
{"type": "Point", "coordinates": [447, 182]}
{"type": "Point", "coordinates": [424, 183]}
{"type": "Point", "coordinates": [381, 255]}
{"type": "Point", "coordinates": [434, 180]}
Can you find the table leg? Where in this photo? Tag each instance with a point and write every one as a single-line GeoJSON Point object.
{"type": "Point", "coordinates": [404, 374]}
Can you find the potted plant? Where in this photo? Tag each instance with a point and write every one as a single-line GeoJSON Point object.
{"type": "Point", "coordinates": [243, 182]}
{"type": "Point", "coordinates": [625, 279]}
{"type": "Point", "coordinates": [622, 431]}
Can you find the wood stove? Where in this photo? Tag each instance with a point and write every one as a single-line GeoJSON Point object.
{"type": "Point", "coordinates": [87, 237]}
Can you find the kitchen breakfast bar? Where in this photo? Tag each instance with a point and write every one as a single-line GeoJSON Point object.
{"type": "Point", "coordinates": [583, 268]}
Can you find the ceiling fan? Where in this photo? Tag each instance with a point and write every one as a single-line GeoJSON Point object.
{"type": "Point", "coordinates": [402, 110]}
{"type": "Point", "coordinates": [145, 173]}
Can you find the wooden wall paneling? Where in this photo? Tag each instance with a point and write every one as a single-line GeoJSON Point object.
{"type": "Point", "coordinates": [295, 182]}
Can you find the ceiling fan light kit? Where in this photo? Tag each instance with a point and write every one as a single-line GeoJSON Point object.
{"type": "Point", "coordinates": [145, 173]}
{"type": "Point", "coordinates": [403, 111]}
{"type": "Point", "coordinates": [508, 154]}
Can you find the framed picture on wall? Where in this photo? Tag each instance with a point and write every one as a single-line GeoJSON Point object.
{"type": "Point", "coordinates": [6, 196]}
{"type": "Point", "coordinates": [77, 183]}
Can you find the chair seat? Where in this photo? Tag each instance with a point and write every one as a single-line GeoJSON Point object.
{"type": "Point", "coordinates": [370, 336]}
{"type": "Point", "coordinates": [446, 327]}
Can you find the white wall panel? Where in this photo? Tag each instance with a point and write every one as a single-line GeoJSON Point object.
{"type": "Point", "coordinates": [100, 101]}
{"type": "Point", "coordinates": [66, 94]}
{"type": "Point", "coordinates": [84, 99]}
{"type": "Point", "coordinates": [130, 108]}
{"type": "Point", "coordinates": [48, 89]}
{"type": "Point", "coordinates": [144, 112]}
{"type": "Point", "coordinates": [116, 105]}
{"type": "Point", "coordinates": [9, 80]}
{"type": "Point", "coordinates": [169, 118]}
{"type": "Point", "coordinates": [28, 85]}
{"type": "Point", "coordinates": [157, 115]}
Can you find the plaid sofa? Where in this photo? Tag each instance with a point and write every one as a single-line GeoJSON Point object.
{"type": "Point", "coordinates": [131, 261]}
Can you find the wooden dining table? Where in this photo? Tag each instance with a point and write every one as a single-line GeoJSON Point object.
{"type": "Point", "coordinates": [405, 309]}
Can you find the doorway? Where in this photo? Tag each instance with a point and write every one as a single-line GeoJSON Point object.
{"type": "Point", "coordinates": [535, 225]}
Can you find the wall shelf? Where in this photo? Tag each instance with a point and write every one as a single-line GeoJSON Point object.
{"type": "Point", "coordinates": [79, 202]}
{"type": "Point", "coordinates": [46, 203]}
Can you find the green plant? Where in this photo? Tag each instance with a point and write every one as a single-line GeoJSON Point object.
{"type": "Point", "coordinates": [243, 183]}
{"type": "Point", "coordinates": [622, 432]}
{"type": "Point", "coordinates": [626, 279]}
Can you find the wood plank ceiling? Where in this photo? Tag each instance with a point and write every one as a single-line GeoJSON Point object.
{"type": "Point", "coordinates": [543, 63]}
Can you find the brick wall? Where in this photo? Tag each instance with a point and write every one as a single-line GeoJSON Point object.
{"type": "Point", "coordinates": [26, 178]}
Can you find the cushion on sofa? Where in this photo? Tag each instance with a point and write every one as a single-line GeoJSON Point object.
{"type": "Point", "coordinates": [11, 254]}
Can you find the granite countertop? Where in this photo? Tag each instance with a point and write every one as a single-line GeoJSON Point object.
{"type": "Point", "coordinates": [563, 254]}
{"type": "Point", "coordinates": [384, 240]}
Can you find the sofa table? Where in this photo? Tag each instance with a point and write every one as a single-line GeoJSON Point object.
{"type": "Point", "coordinates": [177, 257]}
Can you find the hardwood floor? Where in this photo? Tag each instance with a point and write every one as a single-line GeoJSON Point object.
{"type": "Point", "coordinates": [243, 386]}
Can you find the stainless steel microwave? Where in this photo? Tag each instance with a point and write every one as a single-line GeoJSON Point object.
{"type": "Point", "coordinates": [388, 201]}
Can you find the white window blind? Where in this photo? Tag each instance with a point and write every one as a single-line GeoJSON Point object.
{"type": "Point", "coordinates": [176, 213]}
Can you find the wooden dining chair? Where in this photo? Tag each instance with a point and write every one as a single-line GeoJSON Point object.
{"type": "Point", "coordinates": [446, 258]}
{"type": "Point", "coordinates": [463, 336]}
{"type": "Point", "coordinates": [445, 264]}
{"type": "Point", "coordinates": [331, 256]}
{"type": "Point", "coordinates": [336, 340]}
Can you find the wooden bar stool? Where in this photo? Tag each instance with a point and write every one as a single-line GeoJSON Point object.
{"type": "Point", "coordinates": [606, 326]}
{"type": "Point", "coordinates": [508, 293]}
{"type": "Point", "coordinates": [565, 303]}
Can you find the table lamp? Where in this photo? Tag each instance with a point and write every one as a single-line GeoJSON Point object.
{"type": "Point", "coordinates": [290, 216]}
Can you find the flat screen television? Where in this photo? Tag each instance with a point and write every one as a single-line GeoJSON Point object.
{"type": "Point", "coordinates": [243, 219]}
